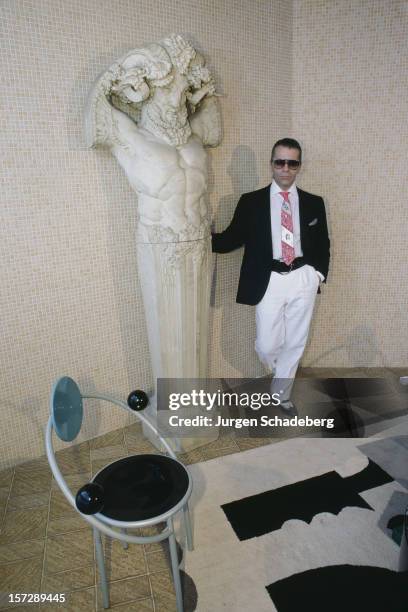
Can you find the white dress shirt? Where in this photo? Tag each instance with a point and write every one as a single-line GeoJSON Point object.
{"type": "Point", "coordinates": [276, 209]}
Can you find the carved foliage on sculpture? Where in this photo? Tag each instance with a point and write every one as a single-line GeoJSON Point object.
{"type": "Point", "coordinates": [176, 253]}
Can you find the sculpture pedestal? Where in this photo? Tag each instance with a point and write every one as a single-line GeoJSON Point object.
{"type": "Point", "coordinates": [175, 281]}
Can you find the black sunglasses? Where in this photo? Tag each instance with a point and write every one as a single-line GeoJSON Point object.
{"type": "Point", "coordinates": [292, 163]}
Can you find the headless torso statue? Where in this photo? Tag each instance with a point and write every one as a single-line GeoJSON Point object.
{"type": "Point", "coordinates": [156, 110]}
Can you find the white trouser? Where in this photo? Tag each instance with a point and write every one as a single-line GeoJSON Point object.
{"type": "Point", "coordinates": [283, 319]}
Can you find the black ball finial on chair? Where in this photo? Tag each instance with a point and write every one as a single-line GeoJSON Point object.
{"type": "Point", "coordinates": [90, 498]}
{"type": "Point", "coordinates": [137, 400]}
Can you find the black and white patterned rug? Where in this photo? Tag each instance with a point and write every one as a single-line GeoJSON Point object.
{"type": "Point", "coordinates": [303, 524]}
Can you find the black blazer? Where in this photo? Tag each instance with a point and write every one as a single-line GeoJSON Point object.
{"type": "Point", "coordinates": [251, 227]}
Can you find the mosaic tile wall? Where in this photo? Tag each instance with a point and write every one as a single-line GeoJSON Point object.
{"type": "Point", "coordinates": [350, 61]}
{"type": "Point", "coordinates": [70, 299]}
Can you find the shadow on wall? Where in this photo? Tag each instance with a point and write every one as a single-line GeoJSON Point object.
{"type": "Point", "coordinates": [361, 347]}
{"type": "Point", "coordinates": [237, 326]}
{"type": "Point", "coordinates": [29, 409]}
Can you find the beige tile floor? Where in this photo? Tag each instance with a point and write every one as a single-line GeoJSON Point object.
{"type": "Point", "coordinates": [45, 546]}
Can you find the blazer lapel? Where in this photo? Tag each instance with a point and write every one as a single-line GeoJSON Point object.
{"type": "Point", "coordinates": [304, 236]}
{"type": "Point", "coordinates": [265, 219]}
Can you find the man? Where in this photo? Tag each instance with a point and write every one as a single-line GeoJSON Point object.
{"type": "Point", "coordinates": [286, 255]}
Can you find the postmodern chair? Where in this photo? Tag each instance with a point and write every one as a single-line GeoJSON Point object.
{"type": "Point", "coordinates": [403, 560]}
{"type": "Point", "coordinates": [134, 492]}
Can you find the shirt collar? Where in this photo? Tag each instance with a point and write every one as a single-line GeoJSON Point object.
{"type": "Point", "coordinates": [276, 189]}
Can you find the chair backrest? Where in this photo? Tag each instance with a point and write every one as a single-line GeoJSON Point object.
{"type": "Point", "coordinates": [66, 416]}
{"type": "Point", "coordinates": [66, 408]}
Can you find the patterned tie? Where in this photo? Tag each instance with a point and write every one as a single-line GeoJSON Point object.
{"type": "Point", "coordinates": [288, 250]}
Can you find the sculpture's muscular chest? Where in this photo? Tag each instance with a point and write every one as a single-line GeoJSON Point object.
{"type": "Point", "coordinates": [161, 171]}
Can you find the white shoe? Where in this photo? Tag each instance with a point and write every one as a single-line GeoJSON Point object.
{"type": "Point", "coordinates": [288, 408]}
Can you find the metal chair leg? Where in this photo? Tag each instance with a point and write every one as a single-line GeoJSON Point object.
{"type": "Point", "coordinates": [187, 527]}
{"type": "Point", "coordinates": [125, 545]}
{"type": "Point", "coordinates": [175, 566]}
{"type": "Point", "coordinates": [101, 567]}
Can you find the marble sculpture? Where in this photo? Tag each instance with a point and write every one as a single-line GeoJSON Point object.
{"type": "Point", "coordinates": [156, 110]}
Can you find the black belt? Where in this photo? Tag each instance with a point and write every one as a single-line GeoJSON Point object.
{"type": "Point", "coordinates": [281, 267]}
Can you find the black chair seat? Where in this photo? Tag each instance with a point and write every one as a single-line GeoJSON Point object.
{"type": "Point", "coordinates": [142, 487]}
